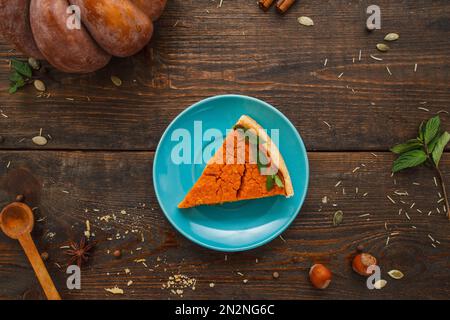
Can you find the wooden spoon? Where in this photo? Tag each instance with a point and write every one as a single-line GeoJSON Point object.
{"type": "Point", "coordinates": [17, 221]}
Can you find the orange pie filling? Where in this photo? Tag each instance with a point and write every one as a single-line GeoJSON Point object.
{"type": "Point", "coordinates": [235, 174]}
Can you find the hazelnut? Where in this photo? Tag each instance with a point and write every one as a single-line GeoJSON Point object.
{"type": "Point", "coordinates": [320, 276]}
{"type": "Point", "coordinates": [276, 275]}
{"type": "Point", "coordinates": [363, 261]}
{"type": "Point", "coordinates": [117, 253]}
{"type": "Point", "coordinates": [44, 256]}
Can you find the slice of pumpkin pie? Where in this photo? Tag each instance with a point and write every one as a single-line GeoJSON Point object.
{"type": "Point", "coordinates": [247, 166]}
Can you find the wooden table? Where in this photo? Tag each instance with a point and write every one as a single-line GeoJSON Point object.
{"type": "Point", "coordinates": [98, 161]}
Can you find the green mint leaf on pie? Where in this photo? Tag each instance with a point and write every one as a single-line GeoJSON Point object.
{"type": "Point", "coordinates": [439, 147]}
{"type": "Point", "coordinates": [407, 146]}
{"type": "Point", "coordinates": [22, 67]}
{"type": "Point", "coordinates": [409, 159]}
{"type": "Point", "coordinates": [431, 129]}
{"type": "Point", "coordinates": [269, 183]}
{"type": "Point", "coordinates": [278, 181]}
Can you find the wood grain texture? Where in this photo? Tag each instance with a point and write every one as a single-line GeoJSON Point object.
{"type": "Point", "coordinates": [68, 188]}
{"type": "Point", "coordinates": [201, 50]}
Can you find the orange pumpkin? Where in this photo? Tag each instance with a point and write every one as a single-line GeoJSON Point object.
{"type": "Point", "coordinates": [47, 29]}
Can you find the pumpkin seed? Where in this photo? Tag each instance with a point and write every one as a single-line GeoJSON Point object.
{"type": "Point", "coordinates": [396, 274]}
{"type": "Point", "coordinates": [338, 217]}
{"type": "Point", "coordinates": [40, 140]}
{"type": "Point", "coordinates": [306, 21]}
{"type": "Point", "coordinates": [391, 37]}
{"type": "Point", "coordinates": [380, 284]}
{"type": "Point", "coordinates": [116, 80]}
{"type": "Point", "coordinates": [382, 47]}
{"type": "Point", "coordinates": [39, 85]}
{"type": "Point", "coordinates": [34, 63]}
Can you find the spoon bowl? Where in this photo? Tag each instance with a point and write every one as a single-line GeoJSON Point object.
{"type": "Point", "coordinates": [16, 220]}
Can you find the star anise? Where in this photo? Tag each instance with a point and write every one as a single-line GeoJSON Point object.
{"type": "Point", "coordinates": [79, 252]}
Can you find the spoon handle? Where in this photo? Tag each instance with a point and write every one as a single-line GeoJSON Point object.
{"type": "Point", "coordinates": [39, 267]}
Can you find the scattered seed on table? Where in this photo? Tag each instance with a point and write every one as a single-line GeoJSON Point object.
{"type": "Point", "coordinates": [39, 85]}
{"type": "Point", "coordinates": [116, 80]}
{"type": "Point", "coordinates": [382, 47]}
{"type": "Point", "coordinates": [40, 140]}
{"type": "Point", "coordinates": [376, 58]}
{"type": "Point", "coordinates": [306, 21]}
{"type": "Point", "coordinates": [34, 64]}
{"type": "Point", "coordinates": [391, 37]}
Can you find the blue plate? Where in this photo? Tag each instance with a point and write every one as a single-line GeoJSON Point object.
{"type": "Point", "coordinates": [236, 226]}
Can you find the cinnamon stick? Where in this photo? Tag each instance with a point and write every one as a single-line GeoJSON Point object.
{"type": "Point", "coordinates": [284, 5]}
{"type": "Point", "coordinates": [265, 4]}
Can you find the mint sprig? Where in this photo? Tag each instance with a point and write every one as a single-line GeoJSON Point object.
{"type": "Point", "coordinates": [21, 74]}
{"type": "Point", "coordinates": [426, 149]}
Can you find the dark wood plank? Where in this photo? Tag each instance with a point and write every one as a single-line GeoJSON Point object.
{"type": "Point", "coordinates": [201, 50]}
{"type": "Point", "coordinates": [67, 187]}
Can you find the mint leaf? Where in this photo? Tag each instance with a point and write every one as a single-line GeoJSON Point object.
{"type": "Point", "coordinates": [13, 89]}
{"type": "Point", "coordinates": [16, 85]}
{"type": "Point", "coordinates": [433, 142]}
{"type": "Point", "coordinates": [421, 131]}
{"type": "Point", "coordinates": [431, 129]}
{"type": "Point", "coordinates": [16, 77]}
{"type": "Point", "coordinates": [22, 67]}
{"type": "Point", "coordinates": [278, 181]}
{"type": "Point", "coordinates": [269, 183]}
{"type": "Point", "coordinates": [409, 159]}
{"type": "Point", "coordinates": [407, 146]}
{"type": "Point", "coordinates": [437, 151]}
